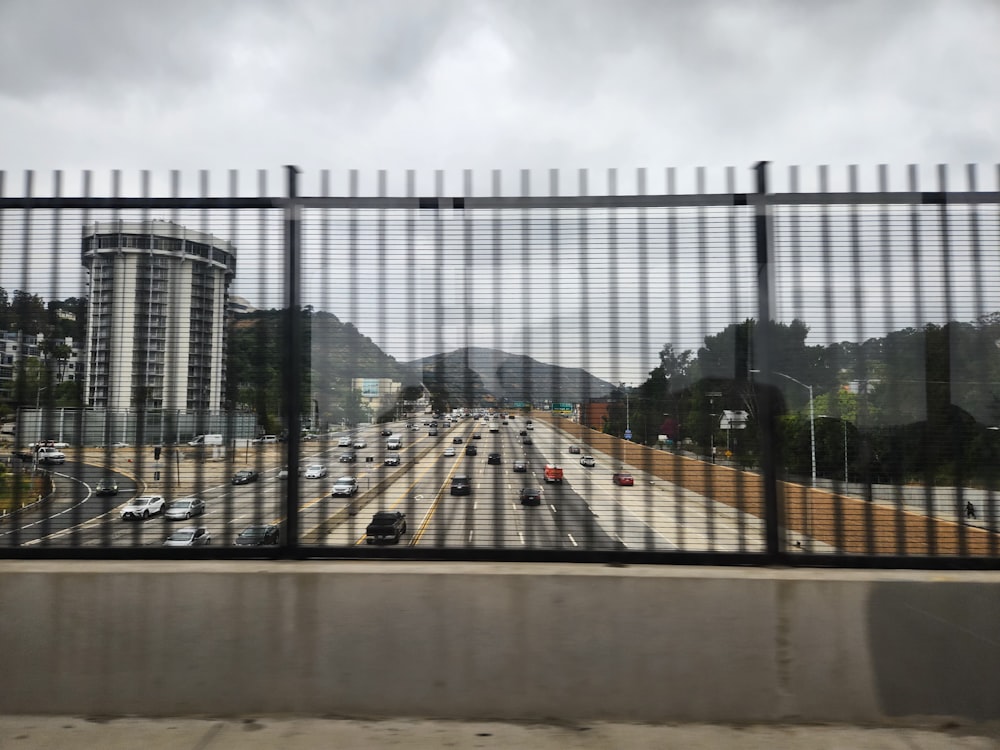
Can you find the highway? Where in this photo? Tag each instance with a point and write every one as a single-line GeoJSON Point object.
{"type": "Point", "coordinates": [585, 511]}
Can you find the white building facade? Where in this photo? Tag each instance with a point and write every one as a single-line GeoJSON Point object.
{"type": "Point", "coordinates": [156, 324]}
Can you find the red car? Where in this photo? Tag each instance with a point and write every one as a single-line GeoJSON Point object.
{"type": "Point", "coordinates": [622, 478]}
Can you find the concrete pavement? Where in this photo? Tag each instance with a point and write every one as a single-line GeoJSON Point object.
{"type": "Point", "coordinates": [73, 733]}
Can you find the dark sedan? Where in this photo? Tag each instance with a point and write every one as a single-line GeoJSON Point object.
{"type": "Point", "coordinates": [531, 496]}
{"type": "Point", "coordinates": [245, 476]}
{"type": "Point", "coordinates": [258, 536]}
{"type": "Point", "coordinates": [106, 487]}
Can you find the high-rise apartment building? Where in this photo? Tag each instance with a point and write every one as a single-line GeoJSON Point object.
{"type": "Point", "coordinates": [156, 324]}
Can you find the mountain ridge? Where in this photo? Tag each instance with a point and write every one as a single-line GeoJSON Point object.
{"type": "Point", "coordinates": [473, 372]}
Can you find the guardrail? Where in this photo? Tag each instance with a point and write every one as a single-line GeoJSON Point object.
{"type": "Point", "coordinates": [855, 427]}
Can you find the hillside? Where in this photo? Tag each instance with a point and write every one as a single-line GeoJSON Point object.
{"type": "Point", "coordinates": [480, 372]}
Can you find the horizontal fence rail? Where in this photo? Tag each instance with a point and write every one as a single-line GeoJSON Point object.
{"type": "Point", "coordinates": [803, 369]}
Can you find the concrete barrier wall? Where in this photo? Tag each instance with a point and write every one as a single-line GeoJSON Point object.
{"type": "Point", "coordinates": [552, 642]}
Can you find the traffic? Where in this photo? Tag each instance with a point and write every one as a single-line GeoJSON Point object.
{"type": "Point", "coordinates": [492, 481]}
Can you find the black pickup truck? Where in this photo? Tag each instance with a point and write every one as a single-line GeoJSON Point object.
{"type": "Point", "coordinates": [386, 525]}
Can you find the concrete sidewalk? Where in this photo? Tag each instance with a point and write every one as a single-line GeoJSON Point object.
{"type": "Point", "coordinates": [72, 733]}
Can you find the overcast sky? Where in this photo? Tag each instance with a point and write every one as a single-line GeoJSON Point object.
{"type": "Point", "coordinates": [510, 85]}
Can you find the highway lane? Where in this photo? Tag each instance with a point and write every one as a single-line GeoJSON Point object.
{"type": "Point", "coordinates": [229, 508]}
{"type": "Point", "coordinates": [491, 516]}
{"type": "Point", "coordinates": [66, 514]}
{"type": "Point", "coordinates": [586, 511]}
{"type": "Point", "coordinates": [655, 514]}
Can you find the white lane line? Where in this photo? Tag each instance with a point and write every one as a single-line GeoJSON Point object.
{"type": "Point", "coordinates": [553, 508]}
{"type": "Point", "coordinates": [619, 540]}
{"type": "Point", "coordinates": [470, 536]}
{"type": "Point", "coordinates": [521, 536]}
{"type": "Point", "coordinates": [573, 540]}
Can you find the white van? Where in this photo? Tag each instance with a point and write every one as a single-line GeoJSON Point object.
{"type": "Point", "coordinates": [211, 439]}
{"type": "Point", "coordinates": [394, 443]}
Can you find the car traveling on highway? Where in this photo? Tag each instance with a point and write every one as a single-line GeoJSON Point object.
{"type": "Point", "coordinates": [588, 461]}
{"type": "Point", "coordinates": [189, 537]}
{"type": "Point", "coordinates": [623, 479]}
{"type": "Point", "coordinates": [553, 473]}
{"type": "Point", "coordinates": [106, 487]}
{"type": "Point", "coordinates": [530, 496]}
{"type": "Point", "coordinates": [348, 458]}
{"type": "Point", "coordinates": [257, 536]}
{"type": "Point", "coordinates": [345, 487]}
{"type": "Point", "coordinates": [471, 450]}
{"type": "Point", "coordinates": [574, 449]}
{"type": "Point", "coordinates": [449, 451]}
{"type": "Point", "coordinates": [315, 471]}
{"type": "Point", "coordinates": [386, 525]}
{"type": "Point", "coordinates": [184, 508]}
{"type": "Point", "coordinates": [143, 507]}
{"type": "Point", "coordinates": [360, 443]}
{"type": "Point", "coordinates": [493, 458]}
{"type": "Point", "coordinates": [392, 460]}
{"type": "Point", "coordinates": [460, 485]}
{"type": "Point", "coordinates": [344, 442]}
{"type": "Point", "coordinates": [245, 476]}
{"type": "Point", "coordinates": [49, 455]}
{"type": "Point", "coordinates": [520, 466]}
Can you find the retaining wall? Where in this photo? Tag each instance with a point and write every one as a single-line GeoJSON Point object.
{"type": "Point", "coordinates": [553, 642]}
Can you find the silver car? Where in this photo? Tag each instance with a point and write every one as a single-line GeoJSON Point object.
{"type": "Point", "coordinates": [185, 508]}
{"type": "Point", "coordinates": [189, 537]}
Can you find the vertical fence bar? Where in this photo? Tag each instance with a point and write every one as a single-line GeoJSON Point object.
{"type": "Point", "coordinates": [944, 391]}
{"type": "Point", "coordinates": [497, 509]}
{"type": "Point", "coordinates": [917, 258]}
{"type": "Point", "coordinates": [768, 457]}
{"type": "Point", "coordinates": [862, 359]}
{"type": "Point", "coordinates": [674, 308]}
{"type": "Point", "coordinates": [742, 374]}
{"type": "Point", "coordinates": [885, 251]}
{"type": "Point", "coordinates": [292, 391]}
{"type": "Point", "coordinates": [715, 397]}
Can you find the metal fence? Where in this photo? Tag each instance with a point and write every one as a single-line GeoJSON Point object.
{"type": "Point", "coordinates": [211, 353]}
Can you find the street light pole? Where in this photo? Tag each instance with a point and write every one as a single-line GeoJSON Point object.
{"type": "Point", "coordinates": [38, 416]}
{"type": "Point", "coordinates": [711, 405]}
{"type": "Point", "coordinates": [627, 429]}
{"type": "Point", "coordinates": [812, 420]}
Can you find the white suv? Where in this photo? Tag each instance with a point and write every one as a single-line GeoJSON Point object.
{"type": "Point", "coordinates": [143, 507]}
{"type": "Point", "coordinates": [345, 486]}
{"type": "Point", "coordinates": [51, 456]}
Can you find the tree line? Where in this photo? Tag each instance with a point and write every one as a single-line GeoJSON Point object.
{"type": "Point", "coordinates": [919, 404]}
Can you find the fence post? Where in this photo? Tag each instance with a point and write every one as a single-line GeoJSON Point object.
{"type": "Point", "coordinates": [292, 391]}
{"type": "Point", "coordinates": [765, 397]}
